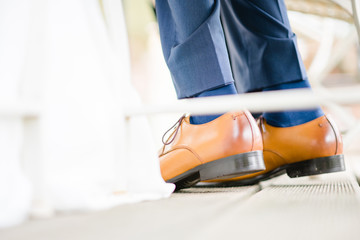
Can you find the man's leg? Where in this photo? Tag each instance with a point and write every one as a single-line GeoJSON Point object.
{"type": "Point", "coordinates": [264, 53]}
{"type": "Point", "coordinates": [195, 52]}
{"type": "Point", "coordinates": [264, 56]}
{"type": "Point", "coordinates": [194, 49]}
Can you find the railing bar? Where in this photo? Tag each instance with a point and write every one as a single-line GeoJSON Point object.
{"type": "Point", "coordinates": [264, 101]}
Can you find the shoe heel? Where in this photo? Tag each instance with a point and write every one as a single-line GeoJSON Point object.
{"type": "Point", "coordinates": [233, 166]}
{"type": "Point", "coordinates": [316, 166]}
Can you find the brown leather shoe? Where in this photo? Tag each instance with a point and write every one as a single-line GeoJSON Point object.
{"type": "Point", "coordinates": [228, 146]}
{"type": "Point", "coordinates": [311, 148]}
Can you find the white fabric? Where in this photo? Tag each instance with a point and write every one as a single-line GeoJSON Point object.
{"type": "Point", "coordinates": [82, 81]}
{"type": "Point", "coordinates": [15, 191]}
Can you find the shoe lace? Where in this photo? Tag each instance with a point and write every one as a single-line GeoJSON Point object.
{"type": "Point", "coordinates": [176, 127]}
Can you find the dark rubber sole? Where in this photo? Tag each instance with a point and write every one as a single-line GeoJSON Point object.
{"type": "Point", "coordinates": [232, 166]}
{"type": "Point", "coordinates": [310, 167]}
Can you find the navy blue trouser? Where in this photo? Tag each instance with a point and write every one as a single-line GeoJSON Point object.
{"type": "Point", "coordinates": [209, 43]}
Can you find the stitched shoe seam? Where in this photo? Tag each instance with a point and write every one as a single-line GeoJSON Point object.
{"type": "Point", "coordinates": [186, 148]}
{"type": "Point", "coordinates": [336, 136]}
{"type": "Point", "coordinates": [229, 114]}
{"type": "Point", "coordinates": [277, 154]}
{"type": "Point", "coordinates": [252, 133]}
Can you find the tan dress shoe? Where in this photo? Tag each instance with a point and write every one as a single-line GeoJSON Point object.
{"type": "Point", "coordinates": [228, 146]}
{"type": "Point", "coordinates": [311, 148]}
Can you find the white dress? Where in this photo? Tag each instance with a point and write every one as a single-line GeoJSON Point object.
{"type": "Point", "coordinates": [71, 58]}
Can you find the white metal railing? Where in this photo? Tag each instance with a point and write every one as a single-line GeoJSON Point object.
{"type": "Point", "coordinates": [24, 110]}
{"type": "Point", "coordinates": [257, 102]}
{"type": "Point", "coordinates": [31, 157]}
{"type": "Point", "coordinates": [294, 99]}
